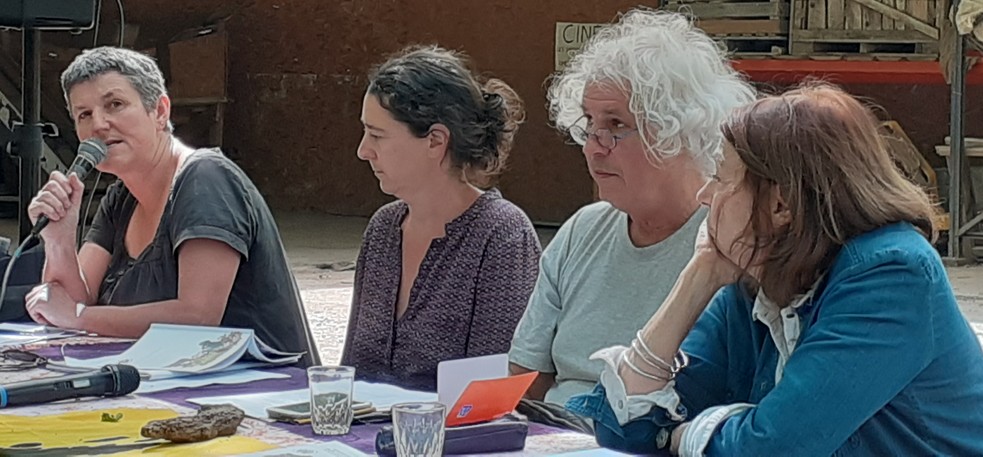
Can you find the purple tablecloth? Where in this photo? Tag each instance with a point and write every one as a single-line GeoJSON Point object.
{"type": "Point", "coordinates": [361, 437]}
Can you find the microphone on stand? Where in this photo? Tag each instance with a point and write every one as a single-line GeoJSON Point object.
{"type": "Point", "coordinates": [109, 381]}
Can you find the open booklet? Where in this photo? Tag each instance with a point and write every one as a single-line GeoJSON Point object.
{"type": "Point", "coordinates": [168, 351]}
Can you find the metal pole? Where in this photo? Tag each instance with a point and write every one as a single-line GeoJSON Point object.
{"type": "Point", "coordinates": [29, 149]}
{"type": "Point", "coordinates": [956, 150]}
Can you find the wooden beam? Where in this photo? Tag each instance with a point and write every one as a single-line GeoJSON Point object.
{"type": "Point", "coordinates": [943, 150]}
{"type": "Point", "coordinates": [871, 19]}
{"type": "Point", "coordinates": [722, 10]}
{"type": "Point", "coordinates": [861, 36]}
{"type": "Point", "coordinates": [889, 24]}
{"type": "Point", "coordinates": [744, 27]}
{"type": "Point", "coordinates": [909, 21]}
{"type": "Point", "coordinates": [835, 15]}
{"type": "Point", "coordinates": [854, 16]}
{"type": "Point", "coordinates": [817, 14]}
{"type": "Point", "coordinates": [919, 9]}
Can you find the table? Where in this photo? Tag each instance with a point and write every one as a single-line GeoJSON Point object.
{"type": "Point", "coordinates": [542, 440]}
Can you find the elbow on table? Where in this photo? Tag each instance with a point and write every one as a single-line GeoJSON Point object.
{"type": "Point", "coordinates": [647, 434]}
{"type": "Point", "coordinates": [641, 436]}
{"type": "Point", "coordinates": [203, 314]}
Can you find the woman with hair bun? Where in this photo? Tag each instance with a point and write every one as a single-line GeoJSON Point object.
{"type": "Point", "coordinates": [445, 271]}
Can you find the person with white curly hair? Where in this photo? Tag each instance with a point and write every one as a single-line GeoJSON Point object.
{"type": "Point", "coordinates": [645, 99]}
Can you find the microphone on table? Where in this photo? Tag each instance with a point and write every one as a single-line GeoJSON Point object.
{"type": "Point", "coordinates": [109, 381]}
{"type": "Point", "coordinates": [91, 152]}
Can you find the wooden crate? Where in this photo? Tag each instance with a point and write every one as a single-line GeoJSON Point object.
{"type": "Point", "coordinates": [748, 28]}
{"type": "Point", "coordinates": [868, 29]}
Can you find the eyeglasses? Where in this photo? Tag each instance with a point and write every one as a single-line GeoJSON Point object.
{"type": "Point", "coordinates": [604, 137]}
{"type": "Point", "coordinates": [17, 360]}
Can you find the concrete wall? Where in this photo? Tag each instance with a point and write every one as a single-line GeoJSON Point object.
{"type": "Point", "coordinates": [297, 75]}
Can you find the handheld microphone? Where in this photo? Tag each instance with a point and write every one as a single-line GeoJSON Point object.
{"type": "Point", "coordinates": [91, 152]}
{"type": "Point", "coordinates": [110, 381]}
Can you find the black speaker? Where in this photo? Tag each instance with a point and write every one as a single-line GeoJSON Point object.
{"type": "Point", "coordinates": [48, 14]}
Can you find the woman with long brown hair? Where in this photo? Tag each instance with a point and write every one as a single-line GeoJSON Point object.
{"type": "Point", "coordinates": [814, 318]}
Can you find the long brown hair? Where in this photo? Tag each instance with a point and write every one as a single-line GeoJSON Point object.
{"type": "Point", "coordinates": [821, 147]}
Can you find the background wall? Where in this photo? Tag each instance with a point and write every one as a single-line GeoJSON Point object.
{"type": "Point", "coordinates": [923, 111]}
{"type": "Point", "coordinates": [297, 76]}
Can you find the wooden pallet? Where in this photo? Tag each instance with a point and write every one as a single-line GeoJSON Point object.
{"type": "Point", "coordinates": [750, 28]}
{"type": "Point", "coordinates": [891, 29]}
{"type": "Point", "coordinates": [874, 57]}
{"type": "Point", "coordinates": [839, 47]}
{"type": "Point", "coordinates": [749, 46]}
{"type": "Point", "coordinates": [764, 9]}
{"type": "Point", "coordinates": [726, 27]}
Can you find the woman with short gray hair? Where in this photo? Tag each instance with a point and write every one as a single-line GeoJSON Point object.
{"type": "Point", "coordinates": [183, 237]}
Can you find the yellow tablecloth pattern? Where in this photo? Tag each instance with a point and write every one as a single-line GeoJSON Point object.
{"type": "Point", "coordinates": [60, 433]}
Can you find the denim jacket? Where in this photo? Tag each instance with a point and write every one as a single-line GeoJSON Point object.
{"type": "Point", "coordinates": [886, 365]}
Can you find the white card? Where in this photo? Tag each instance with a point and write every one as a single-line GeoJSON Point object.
{"type": "Point", "coordinates": [453, 376]}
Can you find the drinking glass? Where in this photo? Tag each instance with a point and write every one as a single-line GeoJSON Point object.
{"type": "Point", "coordinates": [331, 399]}
{"type": "Point", "coordinates": [418, 429]}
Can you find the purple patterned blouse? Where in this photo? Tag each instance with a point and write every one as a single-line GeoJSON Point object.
{"type": "Point", "coordinates": [471, 291]}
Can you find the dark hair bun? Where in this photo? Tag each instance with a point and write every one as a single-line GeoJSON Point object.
{"type": "Point", "coordinates": [423, 86]}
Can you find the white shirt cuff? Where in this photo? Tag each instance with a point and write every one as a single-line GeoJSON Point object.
{"type": "Point", "coordinates": [630, 407]}
{"type": "Point", "coordinates": [697, 434]}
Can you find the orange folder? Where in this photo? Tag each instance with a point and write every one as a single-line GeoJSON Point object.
{"type": "Point", "coordinates": [489, 399]}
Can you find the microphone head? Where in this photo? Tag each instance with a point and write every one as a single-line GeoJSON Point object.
{"type": "Point", "coordinates": [126, 379]}
{"type": "Point", "coordinates": [94, 150]}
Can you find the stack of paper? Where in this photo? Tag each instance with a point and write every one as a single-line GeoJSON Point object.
{"type": "Point", "coordinates": [382, 397]}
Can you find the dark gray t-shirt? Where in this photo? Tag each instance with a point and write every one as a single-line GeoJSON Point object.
{"type": "Point", "coordinates": [212, 198]}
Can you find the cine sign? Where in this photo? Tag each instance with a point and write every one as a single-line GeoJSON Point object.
{"type": "Point", "coordinates": [570, 37]}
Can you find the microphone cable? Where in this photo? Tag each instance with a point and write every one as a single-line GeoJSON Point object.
{"type": "Point", "coordinates": [33, 240]}
{"type": "Point", "coordinates": [10, 266]}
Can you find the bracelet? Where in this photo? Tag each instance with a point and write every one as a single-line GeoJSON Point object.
{"type": "Point", "coordinates": [648, 352]}
{"type": "Point", "coordinates": [624, 359]}
{"type": "Point", "coordinates": [658, 363]}
{"type": "Point", "coordinates": [679, 361]}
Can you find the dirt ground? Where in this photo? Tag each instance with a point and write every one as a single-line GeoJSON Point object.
{"type": "Point", "coordinates": [319, 245]}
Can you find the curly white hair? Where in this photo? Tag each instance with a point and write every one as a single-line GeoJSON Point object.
{"type": "Point", "coordinates": [680, 85]}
